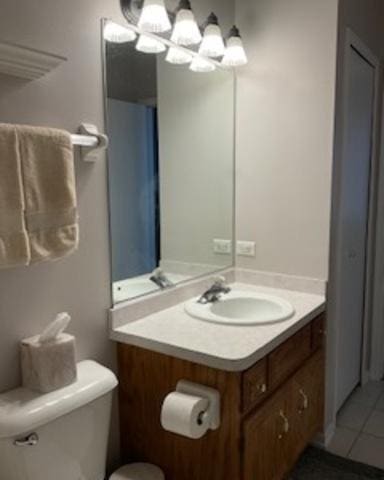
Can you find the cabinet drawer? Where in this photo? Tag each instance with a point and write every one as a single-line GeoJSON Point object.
{"type": "Point", "coordinates": [254, 385]}
{"type": "Point", "coordinates": [283, 361]}
{"type": "Point", "coordinates": [318, 332]}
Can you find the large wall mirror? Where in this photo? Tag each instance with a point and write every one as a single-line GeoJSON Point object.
{"type": "Point", "coordinates": [171, 170]}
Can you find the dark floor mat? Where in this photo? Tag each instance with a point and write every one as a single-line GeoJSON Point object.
{"type": "Point", "coordinates": [316, 464]}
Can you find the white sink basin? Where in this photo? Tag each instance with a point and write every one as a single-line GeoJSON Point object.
{"type": "Point", "coordinates": [242, 308]}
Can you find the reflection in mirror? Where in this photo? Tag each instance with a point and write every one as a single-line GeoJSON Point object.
{"type": "Point", "coordinates": [171, 170]}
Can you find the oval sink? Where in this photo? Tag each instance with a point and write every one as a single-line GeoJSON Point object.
{"type": "Point", "coordinates": [242, 308]}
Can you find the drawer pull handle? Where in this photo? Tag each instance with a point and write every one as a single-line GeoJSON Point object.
{"type": "Point", "coordinates": [305, 401]}
{"type": "Point", "coordinates": [285, 424]}
{"type": "Point", "coordinates": [262, 388]}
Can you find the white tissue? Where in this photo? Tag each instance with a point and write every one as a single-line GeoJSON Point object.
{"type": "Point", "coordinates": [185, 415]}
{"type": "Point", "coordinates": [55, 328]}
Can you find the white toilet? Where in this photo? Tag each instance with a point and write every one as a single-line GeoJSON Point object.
{"type": "Point", "coordinates": [62, 435]}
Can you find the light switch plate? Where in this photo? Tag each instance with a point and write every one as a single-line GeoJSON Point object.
{"type": "Point", "coordinates": [222, 247]}
{"type": "Point", "coordinates": [246, 249]}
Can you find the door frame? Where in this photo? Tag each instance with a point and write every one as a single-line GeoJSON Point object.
{"type": "Point", "coordinates": [351, 40]}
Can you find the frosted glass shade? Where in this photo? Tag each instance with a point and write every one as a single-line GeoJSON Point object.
{"type": "Point", "coordinates": [154, 17]}
{"type": "Point", "coordinates": [186, 32]}
{"type": "Point", "coordinates": [201, 65]}
{"type": "Point", "coordinates": [178, 56]}
{"type": "Point", "coordinates": [213, 43]}
{"type": "Point", "coordinates": [148, 44]}
{"type": "Point", "coordinates": [115, 33]}
{"type": "Point", "coordinates": [235, 55]}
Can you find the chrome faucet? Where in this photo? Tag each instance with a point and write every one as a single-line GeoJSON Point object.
{"type": "Point", "coordinates": [159, 278]}
{"type": "Point", "coordinates": [213, 294]}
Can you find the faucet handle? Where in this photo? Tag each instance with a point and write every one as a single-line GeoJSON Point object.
{"type": "Point", "coordinates": [219, 280]}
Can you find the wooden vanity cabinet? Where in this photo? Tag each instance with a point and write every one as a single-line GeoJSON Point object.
{"type": "Point", "coordinates": [269, 413]}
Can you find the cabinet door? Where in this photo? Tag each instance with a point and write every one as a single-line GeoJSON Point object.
{"type": "Point", "coordinates": [267, 437]}
{"type": "Point", "coordinates": [308, 400]}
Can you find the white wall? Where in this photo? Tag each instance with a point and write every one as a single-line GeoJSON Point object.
{"type": "Point", "coordinates": [285, 133]}
{"type": "Point", "coordinates": [29, 297]}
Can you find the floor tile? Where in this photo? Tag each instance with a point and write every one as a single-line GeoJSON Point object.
{"type": "Point", "coordinates": [369, 450]}
{"type": "Point", "coordinates": [353, 416]}
{"type": "Point", "coordinates": [369, 394]}
{"type": "Point", "coordinates": [375, 424]}
{"type": "Point", "coordinates": [342, 441]}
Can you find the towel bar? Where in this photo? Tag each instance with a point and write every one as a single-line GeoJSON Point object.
{"type": "Point", "coordinates": [90, 141]}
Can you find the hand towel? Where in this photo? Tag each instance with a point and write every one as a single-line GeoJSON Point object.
{"type": "Point", "coordinates": [14, 242]}
{"type": "Point", "coordinates": [48, 176]}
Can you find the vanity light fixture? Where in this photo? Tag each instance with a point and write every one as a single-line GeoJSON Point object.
{"type": "Point", "coordinates": [147, 44]}
{"type": "Point", "coordinates": [154, 17]}
{"type": "Point", "coordinates": [115, 33]}
{"type": "Point", "coordinates": [202, 65]}
{"type": "Point", "coordinates": [235, 55]}
{"type": "Point", "coordinates": [213, 43]}
{"type": "Point", "coordinates": [177, 56]}
{"type": "Point", "coordinates": [186, 31]}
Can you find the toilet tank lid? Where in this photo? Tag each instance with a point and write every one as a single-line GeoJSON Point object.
{"type": "Point", "coordinates": [22, 410]}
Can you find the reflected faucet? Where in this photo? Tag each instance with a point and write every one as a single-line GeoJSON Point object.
{"type": "Point", "coordinates": [159, 278]}
{"type": "Point", "coordinates": [214, 293]}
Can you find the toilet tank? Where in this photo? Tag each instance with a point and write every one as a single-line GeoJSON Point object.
{"type": "Point", "coordinates": [61, 435]}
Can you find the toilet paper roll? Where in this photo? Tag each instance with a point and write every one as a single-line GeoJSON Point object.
{"type": "Point", "coordinates": [185, 415]}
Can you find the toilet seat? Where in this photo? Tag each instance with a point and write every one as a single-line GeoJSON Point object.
{"type": "Point", "coordinates": [138, 471]}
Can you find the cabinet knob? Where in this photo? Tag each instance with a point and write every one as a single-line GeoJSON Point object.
{"type": "Point", "coordinates": [262, 388]}
{"type": "Point", "coordinates": [285, 424]}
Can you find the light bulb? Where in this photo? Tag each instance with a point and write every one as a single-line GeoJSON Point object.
{"type": "Point", "coordinates": [202, 65]}
{"type": "Point", "coordinates": [235, 55]}
{"type": "Point", "coordinates": [178, 56]}
{"type": "Point", "coordinates": [117, 34]}
{"type": "Point", "coordinates": [213, 43]}
{"type": "Point", "coordinates": [148, 44]}
{"type": "Point", "coordinates": [186, 31]}
{"type": "Point", "coordinates": [154, 17]}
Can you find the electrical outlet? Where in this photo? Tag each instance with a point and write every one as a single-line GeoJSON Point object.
{"type": "Point", "coordinates": [222, 247]}
{"type": "Point", "coordinates": [246, 249]}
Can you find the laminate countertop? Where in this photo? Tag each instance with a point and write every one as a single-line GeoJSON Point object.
{"type": "Point", "coordinates": [226, 347]}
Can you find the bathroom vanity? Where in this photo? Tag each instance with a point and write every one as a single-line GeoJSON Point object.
{"type": "Point", "coordinates": [272, 394]}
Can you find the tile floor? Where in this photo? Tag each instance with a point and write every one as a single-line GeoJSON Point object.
{"type": "Point", "coordinates": [360, 426]}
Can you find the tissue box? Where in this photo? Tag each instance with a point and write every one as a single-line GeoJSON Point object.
{"type": "Point", "coordinates": [50, 365]}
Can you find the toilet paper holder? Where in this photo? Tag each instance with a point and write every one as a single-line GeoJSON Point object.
{"type": "Point", "coordinates": [212, 395]}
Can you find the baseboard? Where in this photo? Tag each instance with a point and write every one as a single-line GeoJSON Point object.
{"type": "Point", "coordinates": [322, 440]}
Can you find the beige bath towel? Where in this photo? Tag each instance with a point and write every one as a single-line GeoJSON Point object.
{"type": "Point", "coordinates": [14, 243]}
{"type": "Point", "coordinates": [49, 191]}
